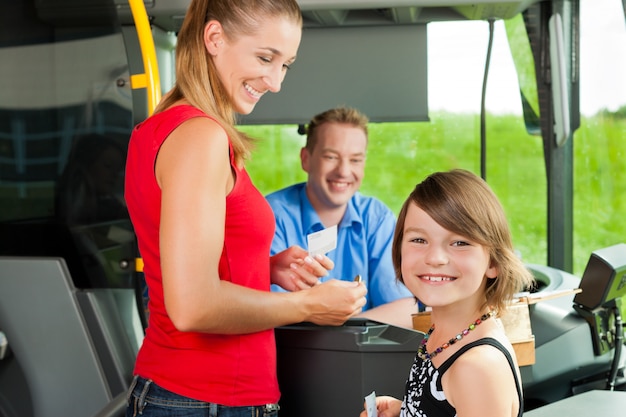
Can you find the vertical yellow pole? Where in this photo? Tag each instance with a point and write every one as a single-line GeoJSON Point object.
{"type": "Point", "coordinates": [150, 78]}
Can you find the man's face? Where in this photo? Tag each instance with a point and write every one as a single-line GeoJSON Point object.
{"type": "Point", "coordinates": [336, 165]}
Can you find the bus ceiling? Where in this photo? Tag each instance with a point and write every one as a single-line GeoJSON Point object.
{"type": "Point", "coordinates": [168, 14]}
{"type": "Point", "coordinates": [340, 39]}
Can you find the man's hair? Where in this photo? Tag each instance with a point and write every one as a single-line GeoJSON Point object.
{"type": "Point", "coordinates": [342, 115]}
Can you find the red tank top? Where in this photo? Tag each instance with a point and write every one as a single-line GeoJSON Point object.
{"type": "Point", "coordinates": [232, 370]}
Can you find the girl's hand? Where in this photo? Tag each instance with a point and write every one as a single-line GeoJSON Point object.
{"type": "Point", "coordinates": [386, 407]}
{"type": "Point", "coordinates": [294, 269]}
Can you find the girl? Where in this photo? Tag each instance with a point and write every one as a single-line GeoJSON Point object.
{"type": "Point", "coordinates": [452, 248]}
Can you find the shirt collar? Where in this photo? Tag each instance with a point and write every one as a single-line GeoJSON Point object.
{"type": "Point", "coordinates": [311, 221]}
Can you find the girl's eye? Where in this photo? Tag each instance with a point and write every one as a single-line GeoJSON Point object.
{"type": "Point", "coordinates": [417, 240]}
{"type": "Point", "coordinates": [460, 243]}
{"type": "Point", "coordinates": [265, 59]}
{"type": "Point", "coordinates": [287, 66]}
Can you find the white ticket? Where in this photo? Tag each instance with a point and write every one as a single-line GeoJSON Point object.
{"type": "Point", "coordinates": [370, 405]}
{"type": "Point", "coordinates": [323, 241]}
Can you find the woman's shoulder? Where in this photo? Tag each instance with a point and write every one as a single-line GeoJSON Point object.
{"type": "Point", "coordinates": [184, 114]}
{"type": "Point", "coordinates": [199, 129]}
{"type": "Point", "coordinates": [170, 118]}
{"type": "Point", "coordinates": [180, 112]}
{"type": "Point", "coordinates": [188, 128]}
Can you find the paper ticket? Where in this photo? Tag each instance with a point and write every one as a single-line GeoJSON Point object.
{"type": "Point", "coordinates": [323, 241]}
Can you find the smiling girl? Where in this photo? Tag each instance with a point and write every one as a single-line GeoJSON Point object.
{"type": "Point", "coordinates": [452, 248]}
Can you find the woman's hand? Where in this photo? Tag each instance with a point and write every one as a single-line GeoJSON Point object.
{"type": "Point", "coordinates": [333, 302]}
{"type": "Point", "coordinates": [294, 269]}
{"type": "Point", "coordinates": [386, 407]}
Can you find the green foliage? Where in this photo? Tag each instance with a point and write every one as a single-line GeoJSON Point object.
{"type": "Point", "coordinates": [599, 184]}
{"type": "Point", "coordinates": [618, 114]}
{"type": "Point", "coordinates": [401, 154]}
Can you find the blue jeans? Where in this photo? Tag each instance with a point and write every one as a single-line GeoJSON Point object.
{"type": "Point", "coordinates": [145, 398]}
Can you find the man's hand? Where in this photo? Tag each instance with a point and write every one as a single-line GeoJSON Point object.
{"type": "Point", "coordinates": [294, 269]}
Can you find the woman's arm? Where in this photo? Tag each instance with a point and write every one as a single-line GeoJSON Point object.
{"type": "Point", "coordinates": [194, 173]}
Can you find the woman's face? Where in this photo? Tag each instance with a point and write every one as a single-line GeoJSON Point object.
{"type": "Point", "coordinates": [440, 267]}
{"type": "Point", "coordinates": [251, 65]}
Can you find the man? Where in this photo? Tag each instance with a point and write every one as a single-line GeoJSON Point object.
{"type": "Point", "coordinates": [334, 159]}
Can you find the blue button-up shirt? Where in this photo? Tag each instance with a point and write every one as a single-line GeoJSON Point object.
{"type": "Point", "coordinates": [364, 239]}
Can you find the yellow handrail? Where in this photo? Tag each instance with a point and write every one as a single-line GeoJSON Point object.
{"type": "Point", "coordinates": [150, 78]}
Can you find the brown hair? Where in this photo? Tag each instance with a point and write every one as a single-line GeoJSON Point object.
{"type": "Point", "coordinates": [463, 203]}
{"type": "Point", "coordinates": [346, 115]}
{"type": "Point", "coordinates": [197, 80]}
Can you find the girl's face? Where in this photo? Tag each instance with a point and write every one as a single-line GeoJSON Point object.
{"type": "Point", "coordinates": [250, 66]}
{"type": "Point", "coordinates": [439, 267]}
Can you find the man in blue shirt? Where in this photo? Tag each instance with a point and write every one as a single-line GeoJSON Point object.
{"type": "Point", "coordinates": [334, 159]}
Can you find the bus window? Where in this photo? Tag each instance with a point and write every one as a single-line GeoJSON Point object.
{"type": "Point", "coordinates": [600, 143]}
{"type": "Point", "coordinates": [65, 119]}
{"type": "Point", "coordinates": [55, 90]}
{"type": "Point", "coordinates": [401, 154]}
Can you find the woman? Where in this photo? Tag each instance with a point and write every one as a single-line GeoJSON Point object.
{"type": "Point", "coordinates": [204, 230]}
{"type": "Point", "coordinates": [452, 248]}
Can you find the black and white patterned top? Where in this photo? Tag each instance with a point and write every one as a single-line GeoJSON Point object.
{"type": "Point", "coordinates": [424, 395]}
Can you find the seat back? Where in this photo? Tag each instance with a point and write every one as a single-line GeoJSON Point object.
{"type": "Point", "coordinates": [72, 350]}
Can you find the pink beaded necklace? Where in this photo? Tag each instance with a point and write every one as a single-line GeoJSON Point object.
{"type": "Point", "coordinates": [421, 351]}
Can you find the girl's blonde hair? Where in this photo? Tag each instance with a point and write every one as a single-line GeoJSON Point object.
{"type": "Point", "coordinates": [463, 203]}
{"type": "Point", "coordinates": [197, 80]}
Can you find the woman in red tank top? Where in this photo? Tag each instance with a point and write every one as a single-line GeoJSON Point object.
{"type": "Point", "coordinates": [204, 230]}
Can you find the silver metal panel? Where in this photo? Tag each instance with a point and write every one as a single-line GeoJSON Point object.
{"type": "Point", "coordinates": [382, 71]}
{"type": "Point", "coordinates": [47, 335]}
